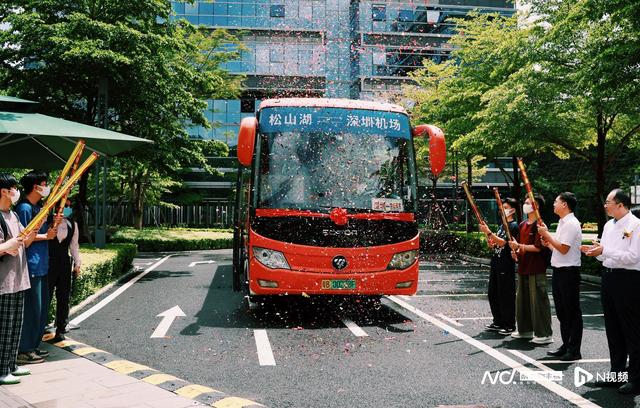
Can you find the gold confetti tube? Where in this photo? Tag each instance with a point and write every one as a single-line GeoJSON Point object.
{"type": "Point", "coordinates": [472, 202]}
{"type": "Point", "coordinates": [527, 186]}
{"type": "Point", "coordinates": [42, 215]}
{"type": "Point", "coordinates": [73, 171]}
{"type": "Point", "coordinates": [77, 151]}
{"type": "Point", "coordinates": [503, 215]}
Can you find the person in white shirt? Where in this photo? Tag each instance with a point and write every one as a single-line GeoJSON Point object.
{"type": "Point", "coordinates": [619, 251]}
{"type": "Point", "coordinates": [60, 268]}
{"type": "Point", "coordinates": [565, 283]}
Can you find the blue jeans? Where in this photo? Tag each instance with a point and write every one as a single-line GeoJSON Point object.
{"type": "Point", "coordinates": [36, 308]}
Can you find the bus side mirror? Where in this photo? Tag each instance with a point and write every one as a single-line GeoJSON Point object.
{"type": "Point", "coordinates": [437, 146]}
{"type": "Point", "coordinates": [247, 140]}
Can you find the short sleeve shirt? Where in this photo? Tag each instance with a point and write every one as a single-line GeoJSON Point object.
{"type": "Point", "coordinates": [568, 233]}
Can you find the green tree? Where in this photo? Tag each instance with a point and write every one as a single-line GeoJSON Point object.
{"type": "Point", "coordinates": [563, 83]}
{"type": "Point", "coordinates": [158, 72]}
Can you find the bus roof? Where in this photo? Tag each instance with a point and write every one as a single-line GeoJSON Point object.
{"type": "Point", "coordinates": [332, 103]}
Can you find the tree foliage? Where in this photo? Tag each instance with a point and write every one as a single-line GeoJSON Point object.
{"type": "Point", "coordinates": [159, 73]}
{"type": "Point", "coordinates": [560, 80]}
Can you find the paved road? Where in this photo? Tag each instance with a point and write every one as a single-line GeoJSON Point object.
{"type": "Point", "coordinates": [421, 351]}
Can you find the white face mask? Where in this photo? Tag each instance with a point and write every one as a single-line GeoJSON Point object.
{"type": "Point", "coordinates": [527, 209]}
{"type": "Point", "coordinates": [15, 196]}
{"type": "Point", "coordinates": [43, 191]}
{"type": "Point", "coordinates": [509, 212]}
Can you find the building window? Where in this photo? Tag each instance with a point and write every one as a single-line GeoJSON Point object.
{"type": "Point", "coordinates": [406, 15]}
{"type": "Point", "coordinates": [277, 10]}
{"type": "Point", "coordinates": [379, 12]}
{"type": "Point", "coordinates": [247, 105]}
{"type": "Point", "coordinates": [379, 58]}
{"type": "Point", "coordinates": [276, 55]}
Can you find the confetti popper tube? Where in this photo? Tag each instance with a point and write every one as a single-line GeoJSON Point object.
{"type": "Point", "coordinates": [527, 186]}
{"type": "Point", "coordinates": [472, 202]}
{"type": "Point", "coordinates": [44, 211]}
{"type": "Point", "coordinates": [503, 215]}
{"type": "Point", "coordinates": [73, 171]}
{"type": "Point", "coordinates": [77, 151]}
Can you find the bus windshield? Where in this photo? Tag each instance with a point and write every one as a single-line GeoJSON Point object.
{"type": "Point", "coordinates": [362, 167]}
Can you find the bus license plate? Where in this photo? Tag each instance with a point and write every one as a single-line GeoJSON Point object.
{"type": "Point", "coordinates": [339, 284]}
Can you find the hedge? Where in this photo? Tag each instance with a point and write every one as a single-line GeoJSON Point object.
{"type": "Point", "coordinates": [99, 268]}
{"type": "Point", "coordinates": [475, 244]}
{"type": "Point", "coordinates": [175, 239]}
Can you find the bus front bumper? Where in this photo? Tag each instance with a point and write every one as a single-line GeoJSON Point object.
{"type": "Point", "coordinates": [291, 282]}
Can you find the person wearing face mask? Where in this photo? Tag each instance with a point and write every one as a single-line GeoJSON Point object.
{"type": "Point", "coordinates": [533, 311]}
{"type": "Point", "coordinates": [36, 301]}
{"type": "Point", "coordinates": [502, 277]}
{"type": "Point", "coordinates": [565, 283]}
{"type": "Point", "coordinates": [619, 252]}
{"type": "Point", "coordinates": [14, 281]}
{"type": "Point", "coordinates": [59, 277]}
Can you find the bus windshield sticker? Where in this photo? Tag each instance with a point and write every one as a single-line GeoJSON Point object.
{"type": "Point", "coordinates": [387, 204]}
{"type": "Point", "coordinates": [334, 120]}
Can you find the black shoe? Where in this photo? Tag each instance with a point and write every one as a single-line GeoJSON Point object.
{"type": "Point", "coordinates": [630, 388]}
{"type": "Point", "coordinates": [557, 352]}
{"type": "Point", "coordinates": [493, 327]}
{"type": "Point", "coordinates": [58, 338]}
{"type": "Point", "coordinates": [569, 356]}
{"type": "Point", "coordinates": [42, 353]}
{"type": "Point", "coordinates": [506, 332]}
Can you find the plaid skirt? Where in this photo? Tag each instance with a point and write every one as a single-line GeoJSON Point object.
{"type": "Point", "coordinates": [11, 310]}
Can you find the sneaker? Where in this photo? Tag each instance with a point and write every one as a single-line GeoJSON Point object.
{"type": "Point", "coordinates": [542, 340]}
{"type": "Point", "coordinates": [525, 335]}
{"type": "Point", "coordinates": [42, 353]}
{"type": "Point", "coordinates": [29, 358]}
{"type": "Point", "coordinates": [506, 332]}
{"type": "Point", "coordinates": [20, 371]}
{"type": "Point", "coordinates": [9, 379]}
{"type": "Point", "coordinates": [493, 327]}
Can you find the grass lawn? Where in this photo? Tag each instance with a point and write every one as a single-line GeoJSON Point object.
{"type": "Point", "coordinates": [171, 234]}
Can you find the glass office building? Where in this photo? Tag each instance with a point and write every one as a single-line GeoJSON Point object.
{"type": "Point", "coordinates": [324, 48]}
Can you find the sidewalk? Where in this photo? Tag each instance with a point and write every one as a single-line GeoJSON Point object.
{"type": "Point", "coordinates": [69, 381]}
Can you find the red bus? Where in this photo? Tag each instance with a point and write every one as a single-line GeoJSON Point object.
{"type": "Point", "coordinates": [326, 198]}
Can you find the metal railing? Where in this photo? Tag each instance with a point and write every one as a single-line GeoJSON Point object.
{"type": "Point", "coordinates": [215, 215]}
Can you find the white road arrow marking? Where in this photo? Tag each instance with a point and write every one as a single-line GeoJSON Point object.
{"type": "Point", "coordinates": [192, 264]}
{"type": "Point", "coordinates": [168, 317]}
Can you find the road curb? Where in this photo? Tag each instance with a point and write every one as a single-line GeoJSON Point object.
{"type": "Point", "coordinates": [199, 393]}
{"type": "Point", "coordinates": [484, 261]}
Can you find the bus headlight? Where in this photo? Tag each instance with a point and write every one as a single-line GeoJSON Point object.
{"type": "Point", "coordinates": [270, 258]}
{"type": "Point", "coordinates": [403, 260]}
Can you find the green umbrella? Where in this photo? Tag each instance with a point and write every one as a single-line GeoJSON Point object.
{"type": "Point", "coordinates": [32, 140]}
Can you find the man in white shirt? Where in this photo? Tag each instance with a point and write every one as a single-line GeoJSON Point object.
{"type": "Point", "coordinates": [619, 251]}
{"type": "Point", "coordinates": [565, 283]}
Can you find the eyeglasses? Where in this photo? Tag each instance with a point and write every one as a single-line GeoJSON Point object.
{"type": "Point", "coordinates": [609, 202]}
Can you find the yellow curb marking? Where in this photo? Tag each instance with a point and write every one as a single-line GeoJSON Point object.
{"type": "Point", "coordinates": [83, 351]}
{"type": "Point", "coordinates": [233, 402]}
{"type": "Point", "coordinates": [125, 367]}
{"type": "Point", "coordinates": [67, 343]}
{"type": "Point", "coordinates": [193, 390]}
{"type": "Point", "coordinates": [156, 379]}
